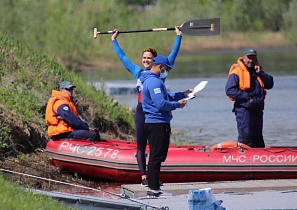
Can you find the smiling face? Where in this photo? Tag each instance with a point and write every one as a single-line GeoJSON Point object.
{"type": "Point", "coordinates": [147, 60]}
{"type": "Point", "coordinates": [250, 60]}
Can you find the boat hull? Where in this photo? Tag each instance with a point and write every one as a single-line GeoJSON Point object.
{"type": "Point", "coordinates": [116, 161]}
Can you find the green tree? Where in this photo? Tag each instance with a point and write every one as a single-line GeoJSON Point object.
{"type": "Point", "coordinates": [290, 22]}
{"type": "Point", "coordinates": [273, 11]}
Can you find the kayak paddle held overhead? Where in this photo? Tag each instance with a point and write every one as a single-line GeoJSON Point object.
{"type": "Point", "coordinates": [197, 27]}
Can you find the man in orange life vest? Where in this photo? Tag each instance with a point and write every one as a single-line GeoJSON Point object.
{"type": "Point", "coordinates": [62, 117]}
{"type": "Point", "coordinates": [246, 86]}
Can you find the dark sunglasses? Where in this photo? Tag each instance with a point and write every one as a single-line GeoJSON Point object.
{"type": "Point", "coordinates": [68, 89]}
{"type": "Point", "coordinates": [151, 50]}
{"type": "Point", "coordinates": [166, 67]}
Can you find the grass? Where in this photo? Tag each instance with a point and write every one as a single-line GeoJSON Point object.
{"type": "Point", "coordinates": [179, 138]}
{"type": "Point", "coordinates": [13, 196]}
{"type": "Point", "coordinates": [27, 79]}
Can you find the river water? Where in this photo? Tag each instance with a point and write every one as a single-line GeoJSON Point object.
{"type": "Point", "coordinates": [208, 118]}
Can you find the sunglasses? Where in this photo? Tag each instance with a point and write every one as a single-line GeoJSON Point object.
{"type": "Point", "coordinates": [151, 50]}
{"type": "Point", "coordinates": [166, 67]}
{"type": "Point", "coordinates": [68, 89]}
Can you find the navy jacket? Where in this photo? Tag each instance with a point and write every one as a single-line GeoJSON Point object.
{"type": "Point", "coordinates": [256, 91]}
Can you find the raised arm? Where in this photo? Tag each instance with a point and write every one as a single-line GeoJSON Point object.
{"type": "Point", "coordinates": [267, 79]}
{"type": "Point", "coordinates": [131, 67]}
{"type": "Point", "coordinates": [176, 46]}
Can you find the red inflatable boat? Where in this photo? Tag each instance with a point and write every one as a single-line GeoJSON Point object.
{"type": "Point", "coordinates": [227, 161]}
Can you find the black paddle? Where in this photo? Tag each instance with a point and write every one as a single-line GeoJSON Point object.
{"type": "Point", "coordinates": [198, 27]}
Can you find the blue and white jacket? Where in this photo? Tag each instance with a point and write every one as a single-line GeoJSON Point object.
{"type": "Point", "coordinates": [157, 103]}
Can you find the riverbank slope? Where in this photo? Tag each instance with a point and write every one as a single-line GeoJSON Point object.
{"type": "Point", "coordinates": [27, 80]}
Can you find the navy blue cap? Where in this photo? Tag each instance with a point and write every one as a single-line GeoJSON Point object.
{"type": "Point", "coordinates": [161, 59]}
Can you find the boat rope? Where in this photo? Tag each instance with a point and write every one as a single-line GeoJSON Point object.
{"type": "Point", "coordinates": [81, 186]}
{"type": "Point", "coordinates": [241, 148]}
{"type": "Point", "coordinates": [116, 146]}
{"type": "Point", "coordinates": [264, 149]}
{"type": "Point", "coordinates": [124, 196]}
{"type": "Point", "coordinates": [52, 180]}
{"type": "Point", "coordinates": [111, 145]}
{"type": "Point", "coordinates": [59, 176]}
{"type": "Point", "coordinates": [288, 149]}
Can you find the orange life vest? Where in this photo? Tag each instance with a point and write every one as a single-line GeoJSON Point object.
{"type": "Point", "coordinates": [244, 76]}
{"type": "Point", "coordinates": [56, 124]}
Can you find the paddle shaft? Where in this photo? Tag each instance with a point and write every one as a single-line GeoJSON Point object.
{"type": "Point", "coordinates": [148, 30]}
{"type": "Point", "coordinates": [198, 27]}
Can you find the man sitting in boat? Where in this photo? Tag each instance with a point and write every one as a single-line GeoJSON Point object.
{"type": "Point", "coordinates": [62, 117]}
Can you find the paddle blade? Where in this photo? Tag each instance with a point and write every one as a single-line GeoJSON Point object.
{"type": "Point", "coordinates": [201, 27]}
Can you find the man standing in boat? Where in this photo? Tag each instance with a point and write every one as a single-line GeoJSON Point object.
{"type": "Point", "coordinates": [246, 85]}
{"type": "Point", "coordinates": [157, 105]}
{"type": "Point", "coordinates": [62, 117]}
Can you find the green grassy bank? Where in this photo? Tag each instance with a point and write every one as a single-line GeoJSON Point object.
{"type": "Point", "coordinates": [27, 79]}
{"type": "Point", "coordinates": [14, 197]}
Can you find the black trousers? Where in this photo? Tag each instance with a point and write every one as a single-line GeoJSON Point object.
{"type": "Point", "coordinates": [158, 138]}
{"type": "Point", "coordinates": [141, 138]}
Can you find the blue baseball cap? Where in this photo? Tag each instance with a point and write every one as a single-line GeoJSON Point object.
{"type": "Point", "coordinates": [250, 51]}
{"type": "Point", "coordinates": [66, 84]}
{"type": "Point", "coordinates": [161, 59]}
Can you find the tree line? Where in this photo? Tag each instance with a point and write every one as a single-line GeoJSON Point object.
{"type": "Point", "coordinates": [64, 28]}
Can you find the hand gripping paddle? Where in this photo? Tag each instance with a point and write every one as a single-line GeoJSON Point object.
{"type": "Point", "coordinates": [197, 27]}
